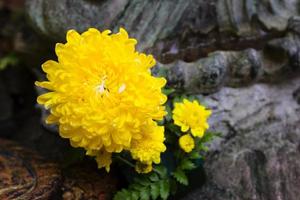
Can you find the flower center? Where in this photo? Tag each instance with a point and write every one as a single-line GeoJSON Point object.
{"type": "Point", "coordinates": [102, 88]}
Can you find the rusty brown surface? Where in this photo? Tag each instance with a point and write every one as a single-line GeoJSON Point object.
{"type": "Point", "coordinates": [86, 182]}
{"type": "Point", "coordinates": [25, 175]}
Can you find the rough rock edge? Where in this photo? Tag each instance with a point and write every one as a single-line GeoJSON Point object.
{"type": "Point", "coordinates": [171, 29]}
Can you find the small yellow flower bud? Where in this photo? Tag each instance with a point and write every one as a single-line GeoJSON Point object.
{"type": "Point", "coordinates": [187, 143]}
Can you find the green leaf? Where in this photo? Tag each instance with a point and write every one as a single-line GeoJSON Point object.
{"type": "Point", "coordinates": [180, 176]}
{"type": "Point", "coordinates": [192, 98]}
{"type": "Point", "coordinates": [200, 146]}
{"type": "Point", "coordinates": [173, 186]}
{"type": "Point", "coordinates": [155, 190]}
{"type": "Point", "coordinates": [209, 136]}
{"type": "Point", "coordinates": [173, 128]}
{"type": "Point", "coordinates": [143, 181]}
{"type": "Point", "coordinates": [135, 195]}
{"type": "Point", "coordinates": [180, 98]}
{"type": "Point", "coordinates": [195, 155]}
{"type": "Point", "coordinates": [168, 91]}
{"type": "Point", "coordinates": [9, 60]}
{"type": "Point", "coordinates": [122, 195]}
{"type": "Point", "coordinates": [146, 187]}
{"type": "Point", "coordinates": [204, 148]}
{"type": "Point", "coordinates": [136, 186]}
{"type": "Point", "coordinates": [154, 177]}
{"type": "Point", "coordinates": [145, 193]}
{"type": "Point", "coordinates": [162, 171]}
{"type": "Point", "coordinates": [164, 188]}
{"type": "Point", "coordinates": [168, 117]}
{"type": "Point", "coordinates": [186, 164]}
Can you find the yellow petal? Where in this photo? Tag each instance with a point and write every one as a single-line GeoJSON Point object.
{"type": "Point", "coordinates": [184, 128]}
{"type": "Point", "coordinates": [197, 132]}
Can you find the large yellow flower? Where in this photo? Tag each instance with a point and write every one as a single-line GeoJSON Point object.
{"type": "Point", "coordinates": [103, 96]}
{"type": "Point", "coordinates": [191, 115]}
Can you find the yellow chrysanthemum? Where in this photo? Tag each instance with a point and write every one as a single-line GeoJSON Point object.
{"type": "Point", "coordinates": [148, 148]}
{"type": "Point", "coordinates": [187, 143]}
{"type": "Point", "coordinates": [191, 115]}
{"type": "Point", "coordinates": [103, 96]}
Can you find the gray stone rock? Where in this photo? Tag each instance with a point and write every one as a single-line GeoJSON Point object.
{"type": "Point", "coordinates": [238, 15]}
{"type": "Point", "coordinates": [54, 18]}
{"type": "Point", "coordinates": [206, 75]}
{"type": "Point", "coordinates": [172, 29]}
{"type": "Point", "coordinates": [258, 156]}
{"type": "Point", "coordinates": [279, 60]}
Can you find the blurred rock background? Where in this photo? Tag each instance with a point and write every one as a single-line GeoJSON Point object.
{"type": "Point", "coordinates": [242, 57]}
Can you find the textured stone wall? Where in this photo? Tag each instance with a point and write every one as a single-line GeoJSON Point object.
{"type": "Point", "coordinates": [171, 29]}
{"type": "Point", "coordinates": [258, 154]}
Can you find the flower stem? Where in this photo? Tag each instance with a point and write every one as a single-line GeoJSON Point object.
{"type": "Point", "coordinates": [130, 164]}
{"type": "Point", "coordinates": [125, 161]}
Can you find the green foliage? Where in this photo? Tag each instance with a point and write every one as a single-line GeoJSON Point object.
{"type": "Point", "coordinates": [186, 160]}
{"type": "Point", "coordinates": [195, 155]}
{"type": "Point", "coordinates": [168, 91]}
{"type": "Point", "coordinates": [209, 136]}
{"type": "Point", "coordinates": [164, 188]}
{"type": "Point", "coordinates": [173, 129]}
{"type": "Point", "coordinates": [165, 180]}
{"type": "Point", "coordinates": [187, 164]}
{"type": "Point", "coordinates": [159, 183]}
{"type": "Point", "coordinates": [155, 190]}
{"type": "Point", "coordinates": [180, 176]}
{"type": "Point", "coordinates": [9, 60]}
{"type": "Point", "coordinates": [181, 97]}
{"type": "Point", "coordinates": [168, 117]}
{"type": "Point", "coordinates": [146, 187]}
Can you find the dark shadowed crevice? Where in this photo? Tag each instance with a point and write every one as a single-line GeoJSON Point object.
{"type": "Point", "coordinates": [257, 164]}
{"type": "Point", "coordinates": [199, 45]}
